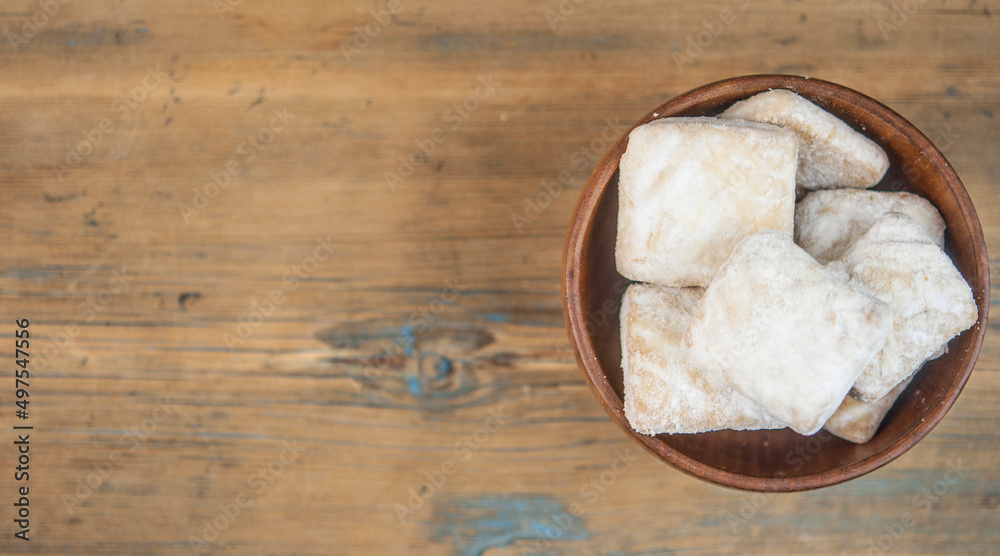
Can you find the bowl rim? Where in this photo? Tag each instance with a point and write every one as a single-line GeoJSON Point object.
{"type": "Point", "coordinates": [585, 353]}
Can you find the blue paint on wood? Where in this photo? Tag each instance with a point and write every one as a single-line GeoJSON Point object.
{"type": "Point", "coordinates": [444, 366]}
{"type": "Point", "coordinates": [498, 317]}
{"type": "Point", "coordinates": [414, 385]}
{"type": "Point", "coordinates": [476, 524]}
{"type": "Point", "coordinates": [407, 339]}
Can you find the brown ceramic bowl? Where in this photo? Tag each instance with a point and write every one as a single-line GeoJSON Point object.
{"type": "Point", "coordinates": [777, 460]}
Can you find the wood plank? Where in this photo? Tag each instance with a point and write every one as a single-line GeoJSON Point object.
{"type": "Point", "coordinates": [310, 372]}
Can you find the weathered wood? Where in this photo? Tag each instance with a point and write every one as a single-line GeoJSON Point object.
{"type": "Point", "coordinates": [375, 406]}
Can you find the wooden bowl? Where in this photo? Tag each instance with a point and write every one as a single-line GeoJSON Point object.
{"type": "Point", "coordinates": [777, 460]}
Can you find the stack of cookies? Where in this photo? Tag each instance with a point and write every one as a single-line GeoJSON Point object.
{"type": "Point", "coordinates": [752, 311]}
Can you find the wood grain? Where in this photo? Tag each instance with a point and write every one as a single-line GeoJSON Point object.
{"type": "Point", "coordinates": [379, 373]}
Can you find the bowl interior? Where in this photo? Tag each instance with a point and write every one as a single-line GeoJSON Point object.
{"type": "Point", "coordinates": [778, 459]}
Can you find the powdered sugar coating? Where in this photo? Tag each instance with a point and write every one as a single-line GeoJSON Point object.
{"type": "Point", "coordinates": [663, 393]}
{"type": "Point", "coordinates": [931, 301]}
{"type": "Point", "coordinates": [856, 421]}
{"type": "Point", "coordinates": [831, 154]}
{"type": "Point", "coordinates": [785, 331]}
{"type": "Point", "coordinates": [827, 223]}
{"type": "Point", "coordinates": [691, 188]}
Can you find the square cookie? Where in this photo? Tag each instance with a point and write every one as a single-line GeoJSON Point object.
{"type": "Point", "coordinates": [691, 188]}
{"type": "Point", "coordinates": [831, 154]}
{"type": "Point", "coordinates": [828, 222]}
{"type": "Point", "coordinates": [785, 331]}
{"type": "Point", "coordinates": [663, 393]}
{"type": "Point", "coordinates": [856, 421]}
{"type": "Point", "coordinates": [930, 299]}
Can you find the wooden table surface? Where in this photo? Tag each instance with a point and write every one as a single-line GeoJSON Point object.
{"type": "Point", "coordinates": [291, 272]}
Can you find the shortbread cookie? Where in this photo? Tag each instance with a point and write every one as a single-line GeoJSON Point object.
{"type": "Point", "coordinates": [831, 154]}
{"type": "Point", "coordinates": [785, 331]}
{"type": "Point", "coordinates": [663, 394]}
{"type": "Point", "coordinates": [857, 421]}
{"type": "Point", "coordinates": [691, 188]}
{"type": "Point", "coordinates": [827, 223]}
{"type": "Point", "coordinates": [931, 301]}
